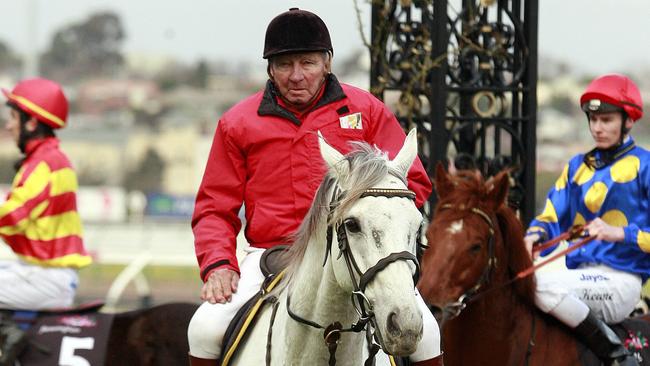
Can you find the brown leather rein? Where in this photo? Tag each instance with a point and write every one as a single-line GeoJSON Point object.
{"type": "Point", "coordinates": [573, 233]}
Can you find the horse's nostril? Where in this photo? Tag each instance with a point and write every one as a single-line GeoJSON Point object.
{"type": "Point", "coordinates": [393, 326]}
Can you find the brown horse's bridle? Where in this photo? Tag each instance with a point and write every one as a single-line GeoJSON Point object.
{"type": "Point", "coordinates": [453, 309]}
{"type": "Point", "coordinates": [360, 302]}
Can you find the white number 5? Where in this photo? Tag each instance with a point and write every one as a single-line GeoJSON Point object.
{"type": "Point", "coordinates": [69, 345]}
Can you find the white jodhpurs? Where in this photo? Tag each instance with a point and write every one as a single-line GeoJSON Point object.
{"type": "Point", "coordinates": [208, 325]}
{"type": "Point", "coordinates": [609, 293]}
{"type": "Point", "coordinates": [26, 286]}
{"type": "Point", "coordinates": [429, 346]}
{"type": "Point", "coordinates": [210, 321]}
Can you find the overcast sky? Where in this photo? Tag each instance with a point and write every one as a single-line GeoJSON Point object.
{"type": "Point", "coordinates": [591, 35]}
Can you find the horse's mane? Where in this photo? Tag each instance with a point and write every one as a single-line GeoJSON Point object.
{"type": "Point", "coordinates": [512, 232]}
{"type": "Point", "coordinates": [471, 190]}
{"type": "Point", "coordinates": [368, 166]}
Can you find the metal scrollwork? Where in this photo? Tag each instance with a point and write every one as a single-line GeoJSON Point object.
{"type": "Point", "coordinates": [466, 79]}
{"type": "Point", "coordinates": [410, 53]}
{"type": "Point", "coordinates": [487, 104]}
{"type": "Point", "coordinates": [484, 52]}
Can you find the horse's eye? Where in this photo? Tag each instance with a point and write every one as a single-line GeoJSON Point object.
{"type": "Point", "coordinates": [475, 249]}
{"type": "Point", "coordinates": [352, 225]}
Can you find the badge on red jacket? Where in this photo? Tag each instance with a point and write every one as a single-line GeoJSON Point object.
{"type": "Point", "coordinates": [351, 121]}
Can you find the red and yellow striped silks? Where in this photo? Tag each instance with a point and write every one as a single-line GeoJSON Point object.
{"type": "Point", "coordinates": [39, 220]}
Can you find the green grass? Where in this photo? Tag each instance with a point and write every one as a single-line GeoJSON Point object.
{"type": "Point", "coordinates": [108, 272]}
{"type": "Point", "coordinates": [164, 283]}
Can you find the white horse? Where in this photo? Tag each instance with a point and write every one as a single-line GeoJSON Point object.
{"type": "Point", "coordinates": [373, 225]}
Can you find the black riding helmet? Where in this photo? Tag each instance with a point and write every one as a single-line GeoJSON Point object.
{"type": "Point", "coordinates": [296, 31]}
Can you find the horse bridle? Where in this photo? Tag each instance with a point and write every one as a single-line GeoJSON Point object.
{"type": "Point", "coordinates": [453, 309]}
{"type": "Point", "coordinates": [360, 302]}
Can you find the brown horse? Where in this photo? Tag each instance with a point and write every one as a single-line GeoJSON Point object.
{"type": "Point", "coordinates": [146, 337]}
{"type": "Point", "coordinates": [475, 247]}
{"type": "Point", "coordinates": [155, 336]}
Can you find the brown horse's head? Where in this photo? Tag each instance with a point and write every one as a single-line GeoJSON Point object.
{"type": "Point", "coordinates": [471, 216]}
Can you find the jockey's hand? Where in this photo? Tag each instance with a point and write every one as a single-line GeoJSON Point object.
{"type": "Point", "coordinates": [530, 240]}
{"type": "Point", "coordinates": [603, 231]}
{"type": "Point", "coordinates": [220, 286]}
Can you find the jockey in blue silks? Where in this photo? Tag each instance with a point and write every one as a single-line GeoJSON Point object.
{"type": "Point", "coordinates": [606, 190]}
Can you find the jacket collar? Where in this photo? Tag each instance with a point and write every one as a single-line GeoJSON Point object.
{"type": "Point", "coordinates": [599, 158]}
{"type": "Point", "coordinates": [270, 106]}
{"type": "Point", "coordinates": [36, 144]}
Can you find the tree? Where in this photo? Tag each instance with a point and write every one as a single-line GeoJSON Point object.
{"type": "Point", "coordinates": [88, 48]}
{"type": "Point", "coordinates": [9, 62]}
{"type": "Point", "coordinates": [199, 77]}
{"type": "Point", "coordinates": [148, 175]}
{"type": "Point", "coordinates": [179, 74]}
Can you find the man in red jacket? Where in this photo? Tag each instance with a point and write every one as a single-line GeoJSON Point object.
{"type": "Point", "coordinates": [265, 155]}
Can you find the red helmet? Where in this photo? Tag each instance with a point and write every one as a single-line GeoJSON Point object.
{"type": "Point", "coordinates": [42, 99]}
{"type": "Point", "coordinates": [613, 91]}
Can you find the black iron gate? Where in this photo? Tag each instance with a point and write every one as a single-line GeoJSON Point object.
{"type": "Point", "coordinates": [465, 74]}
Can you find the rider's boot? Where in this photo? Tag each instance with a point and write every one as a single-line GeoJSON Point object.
{"type": "Point", "coordinates": [436, 361]}
{"type": "Point", "coordinates": [12, 342]}
{"type": "Point", "coordinates": [195, 361]}
{"type": "Point", "coordinates": [602, 340]}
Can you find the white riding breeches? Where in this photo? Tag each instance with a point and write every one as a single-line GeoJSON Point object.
{"type": "Point", "coordinates": [30, 287]}
{"type": "Point", "coordinates": [210, 321]}
{"type": "Point", "coordinates": [429, 346]}
{"type": "Point", "coordinates": [208, 325]}
{"type": "Point", "coordinates": [609, 293]}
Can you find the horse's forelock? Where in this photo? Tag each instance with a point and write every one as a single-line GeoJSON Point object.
{"type": "Point", "coordinates": [469, 191]}
{"type": "Point", "coordinates": [368, 167]}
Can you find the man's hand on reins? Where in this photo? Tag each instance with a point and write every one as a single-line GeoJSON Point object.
{"type": "Point", "coordinates": [530, 240]}
{"type": "Point", "coordinates": [220, 286]}
{"type": "Point", "coordinates": [601, 230]}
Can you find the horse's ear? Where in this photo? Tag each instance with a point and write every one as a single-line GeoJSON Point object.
{"type": "Point", "coordinates": [405, 157]}
{"type": "Point", "coordinates": [498, 188]}
{"type": "Point", "coordinates": [335, 161]}
{"type": "Point", "coordinates": [443, 183]}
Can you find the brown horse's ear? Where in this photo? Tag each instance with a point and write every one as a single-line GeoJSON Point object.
{"type": "Point", "coordinates": [498, 188]}
{"type": "Point", "coordinates": [443, 183]}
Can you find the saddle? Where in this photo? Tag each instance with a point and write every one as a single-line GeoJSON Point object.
{"type": "Point", "coordinates": [634, 334]}
{"type": "Point", "coordinates": [272, 264]}
{"type": "Point", "coordinates": [64, 335]}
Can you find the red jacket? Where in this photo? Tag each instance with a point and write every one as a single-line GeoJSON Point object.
{"type": "Point", "coordinates": [264, 156]}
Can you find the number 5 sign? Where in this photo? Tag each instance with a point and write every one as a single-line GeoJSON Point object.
{"type": "Point", "coordinates": [68, 340]}
{"type": "Point", "coordinates": [69, 345]}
